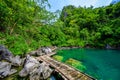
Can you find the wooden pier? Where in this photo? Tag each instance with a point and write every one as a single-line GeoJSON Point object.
{"type": "Point", "coordinates": [67, 72]}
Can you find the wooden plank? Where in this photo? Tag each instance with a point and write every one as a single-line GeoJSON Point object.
{"type": "Point", "coordinates": [68, 72]}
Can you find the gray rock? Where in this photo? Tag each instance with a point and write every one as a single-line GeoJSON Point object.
{"type": "Point", "coordinates": [16, 61]}
{"type": "Point", "coordinates": [41, 51]}
{"type": "Point", "coordinates": [35, 70]}
{"type": "Point", "coordinates": [46, 50]}
{"type": "Point", "coordinates": [33, 53]}
{"type": "Point", "coordinates": [45, 70]}
{"type": "Point", "coordinates": [5, 69]}
{"type": "Point", "coordinates": [108, 46]}
{"type": "Point", "coordinates": [41, 73]}
{"type": "Point", "coordinates": [30, 64]}
{"type": "Point", "coordinates": [36, 53]}
{"type": "Point", "coordinates": [5, 54]}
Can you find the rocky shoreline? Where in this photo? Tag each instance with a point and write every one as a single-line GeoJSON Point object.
{"type": "Point", "coordinates": [31, 67]}
{"type": "Point", "coordinates": [107, 46]}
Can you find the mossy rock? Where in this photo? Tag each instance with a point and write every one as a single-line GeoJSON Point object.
{"type": "Point", "coordinates": [58, 58]}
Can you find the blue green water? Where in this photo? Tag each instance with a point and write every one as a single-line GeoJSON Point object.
{"type": "Point", "coordinates": [101, 64]}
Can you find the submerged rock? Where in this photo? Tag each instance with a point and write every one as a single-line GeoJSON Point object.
{"type": "Point", "coordinates": [5, 54]}
{"type": "Point", "coordinates": [5, 69]}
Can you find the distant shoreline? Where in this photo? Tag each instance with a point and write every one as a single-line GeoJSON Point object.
{"type": "Point", "coordinates": [87, 47]}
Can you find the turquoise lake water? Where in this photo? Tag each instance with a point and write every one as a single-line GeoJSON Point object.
{"type": "Point", "coordinates": [101, 64]}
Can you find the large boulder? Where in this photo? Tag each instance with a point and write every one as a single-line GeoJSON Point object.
{"type": "Point", "coordinates": [46, 50]}
{"type": "Point", "coordinates": [5, 54]}
{"type": "Point", "coordinates": [41, 51]}
{"type": "Point", "coordinates": [35, 70]}
{"type": "Point", "coordinates": [41, 73]}
{"type": "Point", "coordinates": [36, 53]}
{"type": "Point", "coordinates": [30, 64]}
{"type": "Point", "coordinates": [5, 69]}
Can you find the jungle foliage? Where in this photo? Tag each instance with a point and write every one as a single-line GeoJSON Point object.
{"type": "Point", "coordinates": [94, 27]}
{"type": "Point", "coordinates": [26, 25]}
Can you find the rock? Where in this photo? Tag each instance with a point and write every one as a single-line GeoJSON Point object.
{"type": "Point", "coordinates": [12, 71]}
{"type": "Point", "coordinates": [35, 70]}
{"type": "Point", "coordinates": [30, 64]}
{"type": "Point", "coordinates": [5, 69]}
{"type": "Point", "coordinates": [41, 51]}
{"type": "Point", "coordinates": [45, 70]}
{"type": "Point", "coordinates": [41, 73]}
{"type": "Point", "coordinates": [5, 54]}
{"type": "Point", "coordinates": [16, 61]}
{"type": "Point", "coordinates": [46, 50]}
{"type": "Point", "coordinates": [108, 46]}
{"type": "Point", "coordinates": [53, 48]}
{"type": "Point", "coordinates": [32, 67]}
{"type": "Point", "coordinates": [33, 53]}
{"type": "Point", "coordinates": [36, 53]}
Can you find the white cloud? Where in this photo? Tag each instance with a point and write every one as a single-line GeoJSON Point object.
{"type": "Point", "coordinates": [83, 3]}
{"type": "Point", "coordinates": [58, 4]}
{"type": "Point", "coordinates": [100, 3]}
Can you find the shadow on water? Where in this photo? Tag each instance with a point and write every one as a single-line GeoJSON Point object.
{"type": "Point", "coordinates": [56, 76]}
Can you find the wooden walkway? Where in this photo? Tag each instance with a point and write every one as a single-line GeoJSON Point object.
{"type": "Point", "coordinates": [67, 72]}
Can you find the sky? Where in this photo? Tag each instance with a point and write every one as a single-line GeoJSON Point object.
{"type": "Point", "coordinates": [59, 4]}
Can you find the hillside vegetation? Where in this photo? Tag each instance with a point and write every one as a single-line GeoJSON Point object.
{"type": "Point", "coordinates": [27, 25]}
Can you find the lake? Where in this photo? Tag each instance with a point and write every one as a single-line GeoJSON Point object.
{"type": "Point", "coordinates": [100, 64]}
